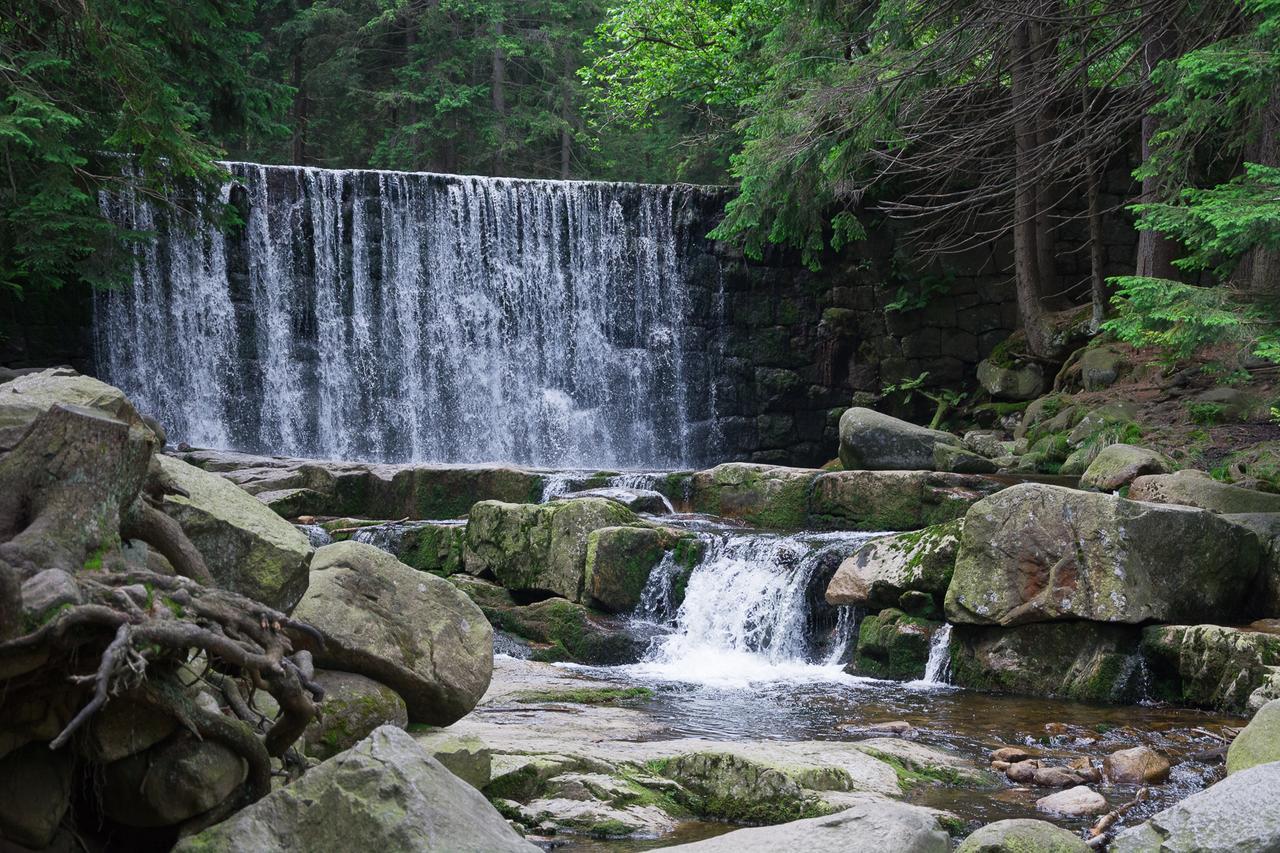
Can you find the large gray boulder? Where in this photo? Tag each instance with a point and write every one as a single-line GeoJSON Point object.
{"type": "Point", "coordinates": [1240, 814]}
{"type": "Point", "coordinates": [1258, 742]}
{"type": "Point", "coordinates": [881, 571]}
{"type": "Point", "coordinates": [248, 548]}
{"type": "Point", "coordinates": [1039, 553]}
{"type": "Point", "coordinates": [27, 397]}
{"type": "Point", "coordinates": [872, 441]}
{"type": "Point", "coordinates": [871, 824]}
{"type": "Point", "coordinates": [386, 794]}
{"type": "Point", "coordinates": [539, 548]}
{"type": "Point", "coordinates": [414, 632]}
{"type": "Point", "coordinates": [1196, 488]}
{"type": "Point", "coordinates": [1023, 835]}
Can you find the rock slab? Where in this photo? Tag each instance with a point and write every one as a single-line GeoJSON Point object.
{"type": "Point", "coordinates": [873, 441]}
{"type": "Point", "coordinates": [385, 793]}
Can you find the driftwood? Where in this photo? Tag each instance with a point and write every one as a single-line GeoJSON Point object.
{"type": "Point", "coordinates": [77, 484]}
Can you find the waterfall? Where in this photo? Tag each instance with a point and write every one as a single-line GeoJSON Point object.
{"type": "Point", "coordinates": [392, 316]}
{"type": "Point", "coordinates": [937, 670]}
{"type": "Point", "coordinates": [749, 610]}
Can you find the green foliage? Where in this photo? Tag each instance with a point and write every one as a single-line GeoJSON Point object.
{"type": "Point", "coordinates": [83, 83]}
{"type": "Point", "coordinates": [1179, 319]}
{"type": "Point", "coordinates": [906, 300]}
{"type": "Point", "coordinates": [943, 398]}
{"type": "Point", "coordinates": [1205, 414]}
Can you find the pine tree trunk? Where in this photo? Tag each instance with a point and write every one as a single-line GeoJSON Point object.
{"type": "Point", "coordinates": [1156, 252]}
{"type": "Point", "coordinates": [299, 152]}
{"type": "Point", "coordinates": [1264, 262]}
{"type": "Point", "coordinates": [498, 87]}
{"type": "Point", "coordinates": [1026, 259]}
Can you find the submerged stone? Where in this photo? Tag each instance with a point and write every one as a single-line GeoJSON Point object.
{"type": "Point", "coordinates": [893, 645]}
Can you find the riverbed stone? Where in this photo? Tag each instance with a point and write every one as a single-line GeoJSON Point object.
{"type": "Point", "coordinates": [1196, 488]}
{"type": "Point", "coordinates": [412, 631]}
{"type": "Point", "coordinates": [1258, 742]}
{"type": "Point", "coordinates": [877, 574]}
{"type": "Point", "coordinates": [873, 441]}
{"type": "Point", "coordinates": [171, 782]}
{"type": "Point", "coordinates": [35, 794]}
{"type": "Point", "coordinates": [247, 547]}
{"type": "Point", "coordinates": [893, 500]}
{"type": "Point", "coordinates": [539, 548]}
{"type": "Point", "coordinates": [1023, 835]}
{"type": "Point", "coordinates": [1038, 553]}
{"type": "Point", "coordinates": [869, 825]}
{"type": "Point", "coordinates": [893, 645]}
{"type": "Point", "coordinates": [352, 708]}
{"type": "Point", "coordinates": [1137, 765]}
{"type": "Point", "coordinates": [1240, 814]}
{"type": "Point", "coordinates": [436, 548]}
{"type": "Point", "coordinates": [1079, 801]}
{"type": "Point", "coordinates": [1209, 666]}
{"type": "Point", "coordinates": [386, 793]}
{"type": "Point", "coordinates": [1118, 465]}
{"type": "Point", "coordinates": [1070, 660]}
{"type": "Point", "coordinates": [636, 500]}
{"type": "Point", "coordinates": [618, 563]}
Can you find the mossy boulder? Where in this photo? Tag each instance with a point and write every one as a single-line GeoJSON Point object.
{"type": "Point", "coordinates": [774, 497]}
{"type": "Point", "coordinates": [539, 548]}
{"type": "Point", "coordinates": [1266, 525]}
{"type": "Point", "coordinates": [893, 500]}
{"type": "Point", "coordinates": [352, 708]}
{"type": "Point", "coordinates": [1118, 465]}
{"type": "Point", "coordinates": [873, 441]}
{"type": "Point", "coordinates": [412, 631]}
{"type": "Point", "coordinates": [1258, 742]}
{"type": "Point", "coordinates": [1102, 366]}
{"type": "Point", "coordinates": [1018, 381]}
{"type": "Point", "coordinates": [1039, 553]}
{"type": "Point", "coordinates": [1198, 489]}
{"type": "Point", "coordinates": [961, 460]}
{"type": "Point", "coordinates": [1069, 660]}
{"type": "Point", "coordinates": [570, 632]}
{"type": "Point", "coordinates": [1023, 835]}
{"type": "Point", "coordinates": [436, 548]}
{"type": "Point", "coordinates": [893, 645]}
{"type": "Point", "coordinates": [247, 547]}
{"type": "Point", "coordinates": [877, 574]}
{"type": "Point", "coordinates": [1209, 665]}
{"type": "Point", "coordinates": [619, 560]}
{"type": "Point", "coordinates": [171, 782]}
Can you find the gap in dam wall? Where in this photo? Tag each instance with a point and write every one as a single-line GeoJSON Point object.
{"type": "Point", "coordinates": [396, 316]}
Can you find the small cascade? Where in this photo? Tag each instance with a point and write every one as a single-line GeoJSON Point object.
{"type": "Point", "coordinates": [559, 483]}
{"type": "Point", "coordinates": [938, 668]}
{"type": "Point", "coordinates": [750, 610]}
{"type": "Point", "coordinates": [384, 536]}
{"type": "Point", "coordinates": [644, 481]}
{"type": "Point", "coordinates": [658, 600]}
{"type": "Point", "coordinates": [316, 535]}
{"type": "Point", "coordinates": [843, 636]}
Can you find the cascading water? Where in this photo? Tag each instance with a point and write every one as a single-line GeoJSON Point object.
{"type": "Point", "coordinates": [937, 670]}
{"type": "Point", "coordinates": [748, 611]}
{"type": "Point", "coordinates": [417, 317]}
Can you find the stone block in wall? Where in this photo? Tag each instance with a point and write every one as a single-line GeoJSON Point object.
{"type": "Point", "coordinates": [925, 343]}
{"type": "Point", "coordinates": [940, 312]}
{"type": "Point", "coordinates": [775, 431]}
{"type": "Point", "coordinates": [778, 389]}
{"type": "Point", "coordinates": [980, 319]}
{"type": "Point", "coordinates": [962, 345]}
